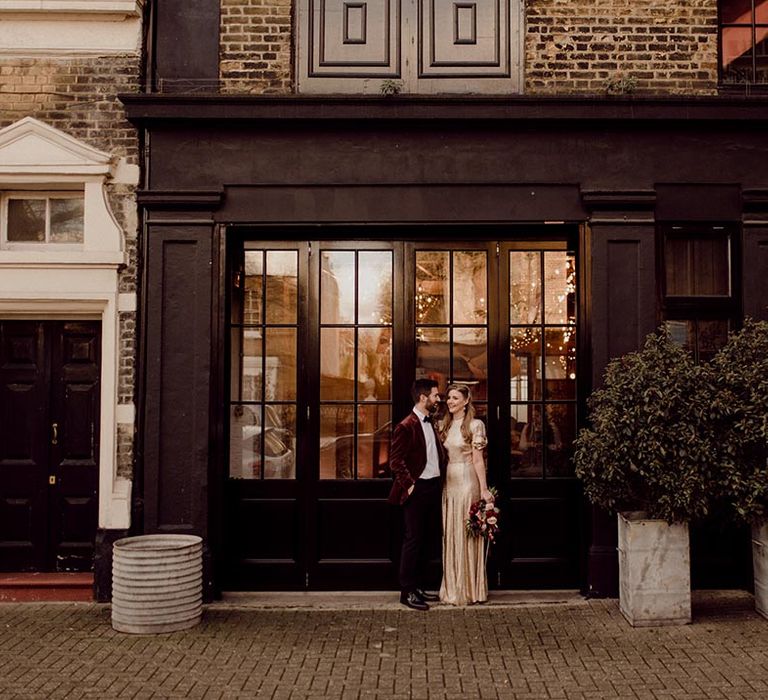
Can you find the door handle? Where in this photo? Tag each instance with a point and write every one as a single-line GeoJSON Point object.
{"type": "Point", "coordinates": [54, 434]}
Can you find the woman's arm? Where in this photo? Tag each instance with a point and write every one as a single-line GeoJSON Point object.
{"type": "Point", "coordinates": [479, 464]}
{"type": "Point", "coordinates": [479, 442]}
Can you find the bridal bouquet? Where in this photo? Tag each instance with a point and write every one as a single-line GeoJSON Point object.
{"type": "Point", "coordinates": [483, 520]}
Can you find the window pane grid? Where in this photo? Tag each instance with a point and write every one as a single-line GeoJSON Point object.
{"type": "Point", "coordinates": [35, 218]}
{"type": "Point", "coordinates": [355, 359]}
{"type": "Point", "coordinates": [452, 285]}
{"type": "Point", "coordinates": [264, 348]}
{"type": "Point", "coordinates": [700, 301]}
{"type": "Point", "coordinates": [743, 41]}
{"type": "Point", "coordinates": [542, 346]}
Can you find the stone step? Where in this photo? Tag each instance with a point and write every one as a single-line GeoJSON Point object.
{"type": "Point", "coordinates": [30, 587]}
{"type": "Point", "coordinates": [383, 600]}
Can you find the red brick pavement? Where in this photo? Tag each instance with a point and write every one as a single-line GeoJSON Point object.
{"type": "Point", "coordinates": [581, 649]}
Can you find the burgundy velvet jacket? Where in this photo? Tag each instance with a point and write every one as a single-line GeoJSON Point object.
{"type": "Point", "coordinates": [409, 457]}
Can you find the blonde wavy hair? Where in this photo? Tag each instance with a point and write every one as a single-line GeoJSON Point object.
{"type": "Point", "coordinates": [469, 414]}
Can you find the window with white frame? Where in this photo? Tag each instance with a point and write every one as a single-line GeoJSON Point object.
{"type": "Point", "coordinates": [34, 218]}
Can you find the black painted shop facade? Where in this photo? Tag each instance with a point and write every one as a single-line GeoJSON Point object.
{"type": "Point", "coordinates": [304, 258]}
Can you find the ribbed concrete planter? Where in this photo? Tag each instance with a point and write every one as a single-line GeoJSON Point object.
{"type": "Point", "coordinates": [157, 583]}
{"type": "Point", "coordinates": [760, 565]}
{"type": "Point", "coordinates": [654, 571]}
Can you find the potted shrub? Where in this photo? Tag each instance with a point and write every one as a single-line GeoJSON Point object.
{"type": "Point", "coordinates": [741, 371]}
{"type": "Point", "coordinates": [647, 456]}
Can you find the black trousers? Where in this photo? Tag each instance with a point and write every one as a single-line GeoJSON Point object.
{"type": "Point", "coordinates": [423, 521]}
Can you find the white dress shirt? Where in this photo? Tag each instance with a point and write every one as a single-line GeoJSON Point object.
{"type": "Point", "coordinates": [432, 468]}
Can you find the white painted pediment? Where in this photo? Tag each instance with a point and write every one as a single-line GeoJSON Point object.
{"type": "Point", "coordinates": [34, 154]}
{"type": "Point", "coordinates": [30, 147]}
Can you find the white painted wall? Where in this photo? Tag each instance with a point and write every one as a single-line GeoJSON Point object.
{"type": "Point", "coordinates": [71, 27]}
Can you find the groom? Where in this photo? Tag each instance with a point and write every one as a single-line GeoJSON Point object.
{"type": "Point", "coordinates": [418, 461]}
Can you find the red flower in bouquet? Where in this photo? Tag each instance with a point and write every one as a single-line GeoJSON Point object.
{"type": "Point", "coordinates": [483, 519]}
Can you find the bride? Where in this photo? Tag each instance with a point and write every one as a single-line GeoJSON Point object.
{"type": "Point", "coordinates": [464, 575]}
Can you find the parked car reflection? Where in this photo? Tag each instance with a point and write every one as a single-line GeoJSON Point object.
{"type": "Point", "coordinates": [337, 455]}
{"type": "Point", "coordinates": [279, 444]}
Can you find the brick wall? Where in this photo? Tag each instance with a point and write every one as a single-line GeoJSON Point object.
{"type": "Point", "coordinates": [594, 46]}
{"type": "Point", "coordinates": [571, 46]}
{"type": "Point", "coordinates": [256, 46]}
{"type": "Point", "coordinates": [79, 97]}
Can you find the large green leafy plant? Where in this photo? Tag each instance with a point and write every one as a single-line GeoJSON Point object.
{"type": "Point", "coordinates": [650, 443]}
{"type": "Point", "coordinates": [741, 370]}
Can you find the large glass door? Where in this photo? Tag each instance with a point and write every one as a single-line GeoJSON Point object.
{"type": "Point", "coordinates": [501, 318]}
{"type": "Point", "coordinates": [355, 352]}
{"type": "Point", "coordinates": [538, 415]}
{"type": "Point", "coordinates": [325, 338]}
{"type": "Point", "coordinates": [268, 471]}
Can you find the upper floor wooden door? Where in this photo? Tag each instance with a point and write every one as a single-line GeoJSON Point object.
{"type": "Point", "coordinates": [413, 46]}
{"type": "Point", "coordinates": [49, 444]}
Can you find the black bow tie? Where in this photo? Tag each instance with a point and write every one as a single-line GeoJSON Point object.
{"type": "Point", "coordinates": [427, 419]}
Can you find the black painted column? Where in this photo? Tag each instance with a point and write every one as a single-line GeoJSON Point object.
{"type": "Point", "coordinates": [102, 563]}
{"type": "Point", "coordinates": [755, 254]}
{"type": "Point", "coordinates": [176, 424]}
{"type": "Point", "coordinates": [623, 311]}
{"type": "Point", "coordinates": [184, 46]}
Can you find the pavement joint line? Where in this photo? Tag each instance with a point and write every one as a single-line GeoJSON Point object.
{"type": "Point", "coordinates": [586, 650]}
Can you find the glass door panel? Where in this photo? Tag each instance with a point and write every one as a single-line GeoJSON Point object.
{"type": "Point", "coordinates": [356, 320]}
{"type": "Point", "coordinates": [542, 360]}
{"type": "Point", "coordinates": [537, 337]}
{"type": "Point", "coordinates": [450, 308]}
{"type": "Point", "coordinates": [263, 346]}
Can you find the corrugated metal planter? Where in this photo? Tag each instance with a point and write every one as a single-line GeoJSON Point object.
{"type": "Point", "coordinates": [654, 571]}
{"type": "Point", "coordinates": [760, 565]}
{"type": "Point", "coordinates": [157, 583]}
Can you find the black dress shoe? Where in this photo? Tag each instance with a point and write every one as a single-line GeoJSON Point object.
{"type": "Point", "coordinates": [427, 597]}
{"type": "Point", "coordinates": [412, 600]}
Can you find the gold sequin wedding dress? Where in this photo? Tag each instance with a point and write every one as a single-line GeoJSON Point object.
{"type": "Point", "coordinates": [464, 575]}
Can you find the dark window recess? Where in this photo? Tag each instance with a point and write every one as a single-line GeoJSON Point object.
{"type": "Point", "coordinates": [697, 264]}
{"type": "Point", "coordinates": [743, 42]}
{"type": "Point", "coordinates": [700, 305]}
{"type": "Point", "coordinates": [702, 336]}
